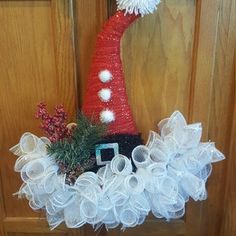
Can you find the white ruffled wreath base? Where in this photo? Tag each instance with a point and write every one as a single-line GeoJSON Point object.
{"type": "Point", "coordinates": [172, 167]}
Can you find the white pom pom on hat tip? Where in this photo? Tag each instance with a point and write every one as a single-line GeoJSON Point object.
{"type": "Point", "coordinates": [107, 116]}
{"type": "Point", "coordinates": [105, 94]}
{"type": "Point", "coordinates": [142, 7]}
{"type": "Point", "coordinates": [105, 76]}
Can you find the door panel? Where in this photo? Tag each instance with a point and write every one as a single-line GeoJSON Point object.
{"type": "Point", "coordinates": [157, 60]}
{"type": "Point", "coordinates": [180, 58]}
{"type": "Point", "coordinates": [29, 234]}
{"type": "Point", "coordinates": [86, 30]}
{"type": "Point", "coordinates": [37, 64]}
{"type": "Point", "coordinates": [199, 82]}
{"type": "Point", "coordinates": [223, 122]}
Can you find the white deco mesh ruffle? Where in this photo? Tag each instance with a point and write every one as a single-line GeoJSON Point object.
{"type": "Point", "coordinates": [171, 168]}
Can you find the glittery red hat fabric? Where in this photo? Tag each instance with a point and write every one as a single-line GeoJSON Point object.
{"type": "Point", "coordinates": [107, 58]}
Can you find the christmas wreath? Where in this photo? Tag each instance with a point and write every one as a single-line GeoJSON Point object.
{"type": "Point", "coordinates": [97, 170]}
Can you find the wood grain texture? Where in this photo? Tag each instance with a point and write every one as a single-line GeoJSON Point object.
{"type": "Point", "coordinates": [36, 65]}
{"type": "Point", "coordinates": [34, 226]}
{"type": "Point", "coordinates": [2, 210]}
{"type": "Point", "coordinates": [35, 234]}
{"type": "Point", "coordinates": [29, 225]}
{"type": "Point", "coordinates": [89, 17]}
{"type": "Point", "coordinates": [223, 115]}
{"type": "Point", "coordinates": [182, 57]}
{"type": "Point", "coordinates": [153, 228]}
{"type": "Point", "coordinates": [64, 48]}
{"type": "Point", "coordinates": [25, 71]}
{"type": "Point", "coordinates": [229, 216]}
{"type": "Point", "coordinates": [157, 57]}
{"type": "Point", "coordinates": [206, 28]}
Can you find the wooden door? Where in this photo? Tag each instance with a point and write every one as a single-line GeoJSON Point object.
{"type": "Point", "coordinates": [182, 57]}
{"type": "Point", "coordinates": [37, 64]}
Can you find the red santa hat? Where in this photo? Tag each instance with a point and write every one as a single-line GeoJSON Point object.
{"type": "Point", "coordinates": [105, 98]}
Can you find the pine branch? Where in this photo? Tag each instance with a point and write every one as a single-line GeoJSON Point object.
{"type": "Point", "coordinates": [75, 151]}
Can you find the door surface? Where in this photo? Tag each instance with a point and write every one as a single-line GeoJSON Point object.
{"type": "Point", "coordinates": [180, 58]}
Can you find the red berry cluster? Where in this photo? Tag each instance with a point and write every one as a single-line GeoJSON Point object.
{"type": "Point", "coordinates": [53, 125]}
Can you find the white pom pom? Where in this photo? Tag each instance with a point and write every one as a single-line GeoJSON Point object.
{"type": "Point", "coordinates": [142, 7]}
{"type": "Point", "coordinates": [105, 94]}
{"type": "Point", "coordinates": [107, 116]}
{"type": "Point", "coordinates": [105, 76]}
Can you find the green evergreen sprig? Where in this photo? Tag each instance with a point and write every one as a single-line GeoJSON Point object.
{"type": "Point", "coordinates": [76, 150]}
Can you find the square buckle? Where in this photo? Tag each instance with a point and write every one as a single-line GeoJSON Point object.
{"type": "Point", "coordinates": [100, 147]}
